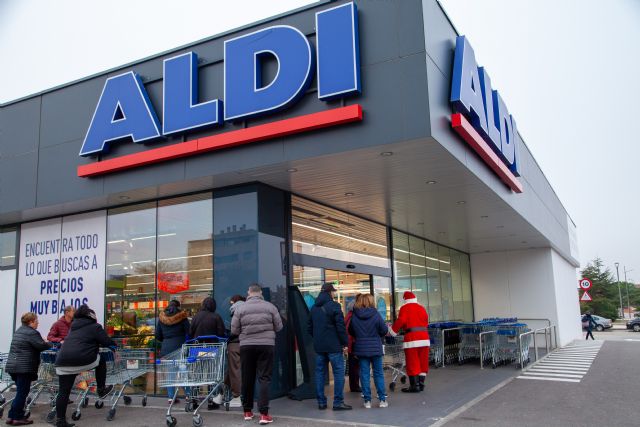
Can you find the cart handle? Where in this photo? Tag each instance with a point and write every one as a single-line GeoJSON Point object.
{"type": "Point", "coordinates": [206, 337]}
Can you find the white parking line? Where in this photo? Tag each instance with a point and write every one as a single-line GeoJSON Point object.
{"type": "Point", "coordinates": [536, 372]}
{"type": "Point", "coordinates": [567, 380]}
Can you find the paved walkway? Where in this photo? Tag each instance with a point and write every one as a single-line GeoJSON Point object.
{"type": "Point", "coordinates": [604, 395]}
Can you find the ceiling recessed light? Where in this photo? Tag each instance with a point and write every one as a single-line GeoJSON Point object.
{"type": "Point", "coordinates": [386, 153]}
{"type": "Point", "coordinates": [461, 202]}
{"type": "Point", "coordinates": [348, 194]}
{"type": "Point", "coordinates": [432, 182]}
{"type": "Point", "coordinates": [124, 197]}
{"type": "Point", "coordinates": [292, 170]}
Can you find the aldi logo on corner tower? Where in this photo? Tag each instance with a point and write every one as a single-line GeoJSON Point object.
{"type": "Point", "coordinates": [482, 118]}
{"type": "Point", "coordinates": [125, 112]}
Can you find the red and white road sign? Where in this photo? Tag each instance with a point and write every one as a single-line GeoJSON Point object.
{"type": "Point", "coordinates": [585, 284]}
{"type": "Point", "coordinates": [585, 297]}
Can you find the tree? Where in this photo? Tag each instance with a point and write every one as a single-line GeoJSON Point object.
{"type": "Point", "coordinates": [604, 291]}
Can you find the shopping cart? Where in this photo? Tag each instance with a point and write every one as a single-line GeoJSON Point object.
{"type": "Point", "coordinates": [5, 382]}
{"type": "Point", "coordinates": [470, 341]}
{"type": "Point", "coordinates": [123, 366]}
{"type": "Point", "coordinates": [393, 360]}
{"type": "Point", "coordinates": [444, 346]}
{"type": "Point", "coordinates": [509, 349]}
{"type": "Point", "coordinates": [194, 365]}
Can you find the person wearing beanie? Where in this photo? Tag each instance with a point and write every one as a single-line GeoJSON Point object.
{"type": "Point", "coordinates": [414, 321]}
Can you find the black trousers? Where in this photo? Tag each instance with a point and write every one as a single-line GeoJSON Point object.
{"type": "Point", "coordinates": [23, 385]}
{"type": "Point", "coordinates": [589, 334]}
{"type": "Point", "coordinates": [354, 373]}
{"type": "Point", "coordinates": [66, 383]}
{"type": "Point", "coordinates": [256, 363]}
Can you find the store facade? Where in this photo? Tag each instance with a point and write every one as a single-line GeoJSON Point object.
{"type": "Point", "coordinates": [338, 143]}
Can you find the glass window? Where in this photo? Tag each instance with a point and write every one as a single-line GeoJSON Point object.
{"type": "Point", "coordinates": [401, 266]}
{"type": "Point", "coordinates": [235, 226]}
{"type": "Point", "coordinates": [465, 273]}
{"type": "Point", "coordinates": [438, 276]}
{"type": "Point", "coordinates": [456, 286]}
{"type": "Point", "coordinates": [382, 295]}
{"type": "Point", "coordinates": [8, 248]}
{"type": "Point", "coordinates": [445, 283]}
{"type": "Point", "coordinates": [185, 251]}
{"type": "Point", "coordinates": [435, 290]}
{"type": "Point", "coordinates": [329, 233]}
{"type": "Point", "coordinates": [417, 259]}
{"type": "Point", "coordinates": [131, 273]}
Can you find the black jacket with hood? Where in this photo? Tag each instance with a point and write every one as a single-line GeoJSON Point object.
{"type": "Point", "coordinates": [326, 325]}
{"type": "Point", "coordinates": [172, 330]}
{"type": "Point", "coordinates": [207, 322]}
{"type": "Point", "coordinates": [85, 338]}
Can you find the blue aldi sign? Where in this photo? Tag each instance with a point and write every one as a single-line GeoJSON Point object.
{"type": "Point", "coordinates": [124, 110]}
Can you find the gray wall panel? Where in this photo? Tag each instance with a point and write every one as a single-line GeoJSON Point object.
{"type": "Point", "coordinates": [20, 128]}
{"type": "Point", "coordinates": [66, 114]}
{"type": "Point", "coordinates": [57, 176]}
{"type": "Point", "coordinates": [18, 182]}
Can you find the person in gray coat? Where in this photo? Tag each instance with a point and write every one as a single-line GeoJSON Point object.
{"type": "Point", "coordinates": [256, 322]}
{"type": "Point", "coordinates": [22, 364]}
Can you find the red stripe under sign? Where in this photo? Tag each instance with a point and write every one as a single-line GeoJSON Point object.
{"type": "Point", "coordinates": [308, 122]}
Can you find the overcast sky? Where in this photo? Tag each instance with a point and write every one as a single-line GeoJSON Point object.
{"type": "Point", "coordinates": [567, 69]}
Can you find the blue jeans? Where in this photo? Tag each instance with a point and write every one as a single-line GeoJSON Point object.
{"type": "Point", "coordinates": [366, 363]}
{"type": "Point", "coordinates": [23, 385]}
{"type": "Point", "coordinates": [322, 372]}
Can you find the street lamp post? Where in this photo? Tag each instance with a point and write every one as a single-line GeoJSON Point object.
{"type": "Point", "coordinates": [617, 264]}
{"type": "Point", "coordinates": [626, 284]}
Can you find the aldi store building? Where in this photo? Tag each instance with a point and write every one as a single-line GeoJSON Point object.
{"type": "Point", "coordinates": [358, 143]}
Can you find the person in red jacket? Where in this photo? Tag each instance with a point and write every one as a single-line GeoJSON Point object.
{"type": "Point", "coordinates": [414, 320]}
{"type": "Point", "coordinates": [60, 329]}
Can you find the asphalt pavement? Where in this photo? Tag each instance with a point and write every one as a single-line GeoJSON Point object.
{"type": "Point", "coordinates": [605, 396]}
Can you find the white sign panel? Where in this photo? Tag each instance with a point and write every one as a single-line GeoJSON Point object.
{"type": "Point", "coordinates": [82, 263]}
{"type": "Point", "coordinates": [37, 271]}
{"type": "Point", "coordinates": [62, 262]}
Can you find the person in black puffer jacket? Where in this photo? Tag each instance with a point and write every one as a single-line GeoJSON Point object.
{"type": "Point", "coordinates": [79, 353]}
{"type": "Point", "coordinates": [367, 327]}
{"type": "Point", "coordinates": [326, 326]}
{"type": "Point", "coordinates": [22, 365]}
{"type": "Point", "coordinates": [172, 331]}
{"type": "Point", "coordinates": [207, 322]}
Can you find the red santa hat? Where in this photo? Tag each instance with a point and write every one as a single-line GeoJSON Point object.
{"type": "Point", "coordinates": [408, 295]}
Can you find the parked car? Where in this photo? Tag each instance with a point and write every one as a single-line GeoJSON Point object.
{"type": "Point", "coordinates": [601, 322]}
{"type": "Point", "coordinates": [634, 324]}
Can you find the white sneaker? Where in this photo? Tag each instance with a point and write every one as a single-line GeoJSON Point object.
{"type": "Point", "coordinates": [367, 404]}
{"type": "Point", "coordinates": [217, 399]}
{"type": "Point", "coordinates": [236, 402]}
{"type": "Point", "coordinates": [384, 404]}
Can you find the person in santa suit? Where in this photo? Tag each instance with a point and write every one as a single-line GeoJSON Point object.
{"type": "Point", "coordinates": [414, 321]}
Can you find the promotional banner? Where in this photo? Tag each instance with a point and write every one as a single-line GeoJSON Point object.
{"type": "Point", "coordinates": [82, 262]}
{"type": "Point", "coordinates": [62, 262]}
{"type": "Point", "coordinates": [38, 269]}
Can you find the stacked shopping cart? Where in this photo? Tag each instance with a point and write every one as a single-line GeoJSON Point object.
{"type": "Point", "coordinates": [511, 345]}
{"type": "Point", "coordinates": [445, 341]}
{"type": "Point", "coordinates": [194, 365]}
